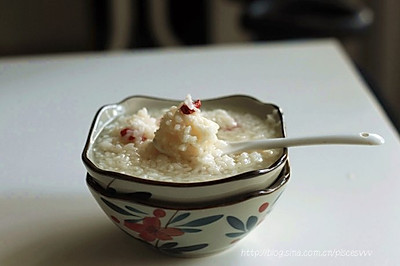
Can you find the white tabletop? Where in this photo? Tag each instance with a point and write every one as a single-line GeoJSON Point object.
{"type": "Point", "coordinates": [341, 201]}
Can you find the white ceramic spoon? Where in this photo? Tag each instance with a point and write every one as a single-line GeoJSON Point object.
{"type": "Point", "coordinates": [263, 144]}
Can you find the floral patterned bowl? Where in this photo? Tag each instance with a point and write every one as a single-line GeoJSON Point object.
{"type": "Point", "coordinates": [184, 192]}
{"type": "Point", "coordinates": [192, 229]}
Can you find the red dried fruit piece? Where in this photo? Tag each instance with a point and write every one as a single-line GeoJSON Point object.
{"type": "Point", "coordinates": [124, 132]}
{"type": "Point", "coordinates": [197, 104]}
{"type": "Point", "coordinates": [127, 135]}
{"type": "Point", "coordinates": [187, 111]}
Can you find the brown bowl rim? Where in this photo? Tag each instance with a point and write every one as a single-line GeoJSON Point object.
{"type": "Point", "coordinates": [279, 182]}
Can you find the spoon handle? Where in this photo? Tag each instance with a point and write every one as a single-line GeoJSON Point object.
{"type": "Point", "coordinates": [357, 139]}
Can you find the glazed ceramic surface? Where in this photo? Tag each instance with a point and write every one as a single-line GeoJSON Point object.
{"type": "Point", "coordinates": [183, 192]}
{"type": "Point", "coordinates": [192, 229]}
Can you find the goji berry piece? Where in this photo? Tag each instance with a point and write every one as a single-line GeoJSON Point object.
{"type": "Point", "coordinates": [197, 104]}
{"type": "Point", "coordinates": [187, 111]}
{"type": "Point", "coordinates": [124, 131]}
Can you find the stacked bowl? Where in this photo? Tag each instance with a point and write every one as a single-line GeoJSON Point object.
{"type": "Point", "coordinates": [187, 219]}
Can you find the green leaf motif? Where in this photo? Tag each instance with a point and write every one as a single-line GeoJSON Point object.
{"type": "Point", "coordinates": [235, 223]}
{"type": "Point", "coordinates": [203, 221]}
{"type": "Point", "coordinates": [234, 234]}
{"type": "Point", "coordinates": [190, 230]}
{"type": "Point", "coordinates": [135, 210]}
{"type": "Point", "coordinates": [180, 217]}
{"type": "Point", "coordinates": [116, 208]}
{"type": "Point", "coordinates": [187, 248]}
{"type": "Point", "coordinates": [168, 245]}
{"type": "Point", "coordinates": [133, 221]}
{"type": "Point", "coordinates": [251, 222]}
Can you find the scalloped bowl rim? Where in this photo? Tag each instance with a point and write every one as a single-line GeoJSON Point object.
{"type": "Point", "coordinates": [280, 182]}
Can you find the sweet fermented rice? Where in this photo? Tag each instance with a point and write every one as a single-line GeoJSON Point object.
{"type": "Point", "coordinates": [126, 144]}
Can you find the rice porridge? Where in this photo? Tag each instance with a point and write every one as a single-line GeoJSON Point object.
{"type": "Point", "coordinates": [183, 144]}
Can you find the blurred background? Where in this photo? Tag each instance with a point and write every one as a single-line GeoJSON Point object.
{"type": "Point", "coordinates": [369, 30]}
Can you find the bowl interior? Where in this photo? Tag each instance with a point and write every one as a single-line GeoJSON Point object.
{"type": "Point", "coordinates": [241, 103]}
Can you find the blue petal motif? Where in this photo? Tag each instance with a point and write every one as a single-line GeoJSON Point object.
{"type": "Point", "coordinates": [133, 221]}
{"type": "Point", "coordinates": [251, 222]}
{"type": "Point", "coordinates": [190, 230]}
{"type": "Point", "coordinates": [234, 234]}
{"type": "Point", "coordinates": [235, 223]}
{"type": "Point", "coordinates": [180, 217]}
{"type": "Point", "coordinates": [168, 245]}
{"type": "Point", "coordinates": [135, 210]}
{"type": "Point", "coordinates": [116, 208]}
{"type": "Point", "coordinates": [203, 221]}
{"type": "Point", "coordinates": [187, 248]}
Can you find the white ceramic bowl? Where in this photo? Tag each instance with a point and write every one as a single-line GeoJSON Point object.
{"type": "Point", "coordinates": [189, 229]}
{"type": "Point", "coordinates": [183, 192]}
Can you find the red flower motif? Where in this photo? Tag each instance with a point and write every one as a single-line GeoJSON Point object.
{"type": "Point", "coordinates": [263, 207]}
{"type": "Point", "coordinates": [115, 219]}
{"type": "Point", "coordinates": [159, 213]}
{"type": "Point", "coordinates": [151, 230]}
{"type": "Point", "coordinates": [236, 240]}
